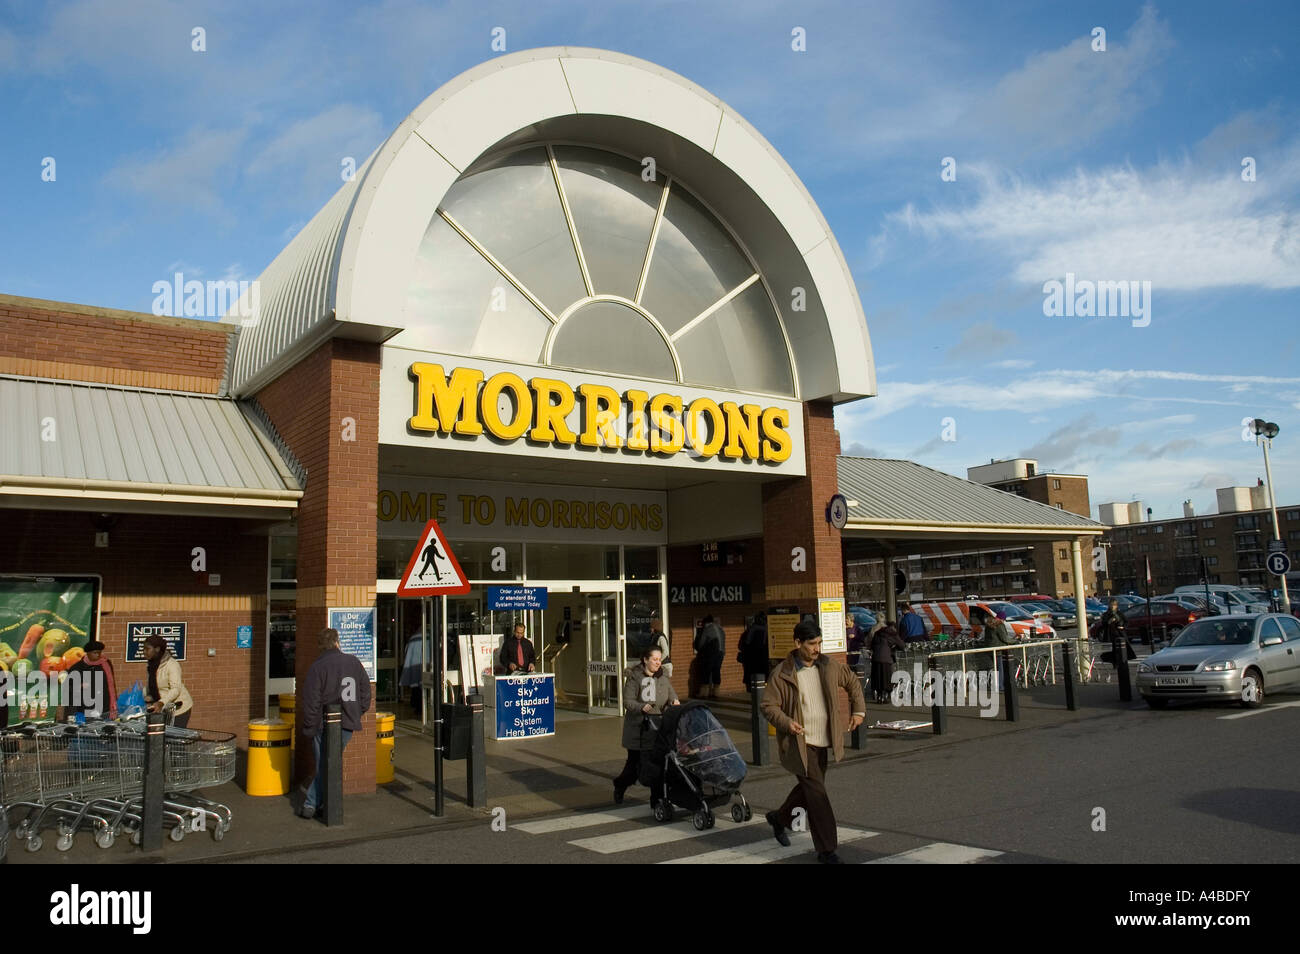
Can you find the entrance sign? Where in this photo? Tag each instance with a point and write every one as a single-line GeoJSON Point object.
{"type": "Point", "coordinates": [517, 597]}
{"type": "Point", "coordinates": [433, 570]}
{"type": "Point", "coordinates": [598, 667]}
{"type": "Point", "coordinates": [830, 617]}
{"type": "Point", "coordinates": [356, 626]}
{"type": "Point", "coordinates": [525, 706]}
{"type": "Point", "coordinates": [137, 633]}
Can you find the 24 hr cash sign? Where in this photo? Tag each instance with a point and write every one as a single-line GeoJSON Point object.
{"type": "Point", "coordinates": [467, 402]}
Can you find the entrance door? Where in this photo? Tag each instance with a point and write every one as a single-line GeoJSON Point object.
{"type": "Point", "coordinates": [605, 653]}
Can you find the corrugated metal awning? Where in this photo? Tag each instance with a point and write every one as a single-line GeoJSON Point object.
{"type": "Point", "coordinates": [64, 439]}
{"type": "Point", "coordinates": [899, 497]}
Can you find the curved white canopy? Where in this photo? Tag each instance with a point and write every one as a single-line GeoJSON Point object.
{"type": "Point", "coordinates": [349, 271]}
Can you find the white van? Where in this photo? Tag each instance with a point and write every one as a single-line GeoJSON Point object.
{"type": "Point", "coordinates": [1237, 599]}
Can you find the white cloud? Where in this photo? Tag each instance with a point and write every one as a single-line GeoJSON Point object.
{"type": "Point", "coordinates": [187, 177]}
{"type": "Point", "coordinates": [321, 141]}
{"type": "Point", "coordinates": [1014, 364]}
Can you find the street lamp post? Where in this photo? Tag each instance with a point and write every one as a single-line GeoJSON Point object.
{"type": "Point", "coordinates": [1265, 431]}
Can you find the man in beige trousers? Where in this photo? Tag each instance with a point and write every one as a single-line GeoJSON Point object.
{"type": "Point", "coordinates": [801, 702]}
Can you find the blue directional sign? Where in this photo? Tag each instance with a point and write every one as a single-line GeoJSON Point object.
{"type": "Point", "coordinates": [1279, 564]}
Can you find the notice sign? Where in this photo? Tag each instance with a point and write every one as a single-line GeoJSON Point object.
{"type": "Point", "coordinates": [517, 597]}
{"type": "Point", "coordinates": [137, 633]}
{"type": "Point", "coordinates": [525, 706]}
{"type": "Point", "coordinates": [243, 637]}
{"type": "Point", "coordinates": [830, 617]}
{"type": "Point", "coordinates": [781, 621]}
{"type": "Point", "coordinates": [356, 626]}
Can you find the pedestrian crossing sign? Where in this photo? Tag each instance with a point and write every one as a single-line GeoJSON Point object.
{"type": "Point", "coordinates": [433, 570]}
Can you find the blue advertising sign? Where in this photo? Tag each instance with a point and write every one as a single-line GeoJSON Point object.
{"type": "Point", "coordinates": [356, 626]}
{"type": "Point", "coordinates": [517, 597]}
{"type": "Point", "coordinates": [525, 706]}
{"type": "Point", "coordinates": [137, 633]}
{"type": "Point", "coordinates": [244, 637]}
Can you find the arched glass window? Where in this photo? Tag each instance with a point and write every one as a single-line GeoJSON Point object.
{"type": "Point", "coordinates": [567, 256]}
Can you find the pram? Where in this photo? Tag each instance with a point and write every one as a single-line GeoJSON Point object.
{"type": "Point", "coordinates": [693, 759]}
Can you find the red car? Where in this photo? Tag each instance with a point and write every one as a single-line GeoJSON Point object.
{"type": "Point", "coordinates": [1167, 620]}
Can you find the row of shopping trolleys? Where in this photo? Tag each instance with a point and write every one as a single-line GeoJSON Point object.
{"type": "Point", "coordinates": [90, 778]}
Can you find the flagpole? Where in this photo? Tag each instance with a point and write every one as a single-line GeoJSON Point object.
{"type": "Point", "coordinates": [1151, 633]}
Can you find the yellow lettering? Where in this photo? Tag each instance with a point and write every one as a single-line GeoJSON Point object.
{"type": "Point", "coordinates": [695, 428]}
{"type": "Point", "coordinates": [601, 406]}
{"type": "Point", "coordinates": [387, 505]}
{"type": "Point", "coordinates": [551, 426]}
{"type": "Point", "coordinates": [777, 443]}
{"type": "Point", "coordinates": [662, 420]}
{"type": "Point", "coordinates": [742, 429]}
{"type": "Point", "coordinates": [452, 396]}
{"type": "Point", "coordinates": [517, 512]}
{"type": "Point", "coordinates": [414, 509]}
{"type": "Point", "coordinates": [656, 517]}
{"type": "Point", "coordinates": [637, 423]}
{"type": "Point", "coordinates": [491, 406]}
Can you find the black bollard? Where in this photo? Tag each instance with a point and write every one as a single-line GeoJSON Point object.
{"type": "Point", "coordinates": [1120, 650]}
{"type": "Point", "coordinates": [939, 716]}
{"type": "Point", "coordinates": [1011, 690]}
{"type": "Point", "coordinates": [858, 737]}
{"type": "Point", "coordinates": [1067, 670]}
{"type": "Point", "coordinates": [757, 723]}
{"type": "Point", "coordinates": [476, 769]}
{"type": "Point", "coordinates": [331, 753]}
{"type": "Point", "coordinates": [155, 754]}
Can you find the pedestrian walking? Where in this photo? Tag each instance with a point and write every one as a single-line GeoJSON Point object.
{"type": "Point", "coordinates": [646, 692]}
{"type": "Point", "coordinates": [911, 627]}
{"type": "Point", "coordinates": [711, 648]}
{"type": "Point", "coordinates": [882, 661]}
{"type": "Point", "coordinates": [1111, 628]}
{"type": "Point", "coordinates": [164, 682]}
{"type": "Point", "coordinates": [803, 706]}
{"type": "Point", "coordinates": [997, 635]}
{"type": "Point", "coordinates": [752, 654]}
{"type": "Point", "coordinates": [412, 674]}
{"type": "Point", "coordinates": [335, 678]}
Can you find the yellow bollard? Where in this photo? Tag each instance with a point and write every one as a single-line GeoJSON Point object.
{"type": "Point", "coordinates": [288, 709]}
{"type": "Point", "coordinates": [269, 761]}
{"type": "Point", "coordinates": [385, 746]}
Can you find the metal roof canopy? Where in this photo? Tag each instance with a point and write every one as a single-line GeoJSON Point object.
{"type": "Point", "coordinates": [73, 446]}
{"type": "Point", "coordinates": [898, 508]}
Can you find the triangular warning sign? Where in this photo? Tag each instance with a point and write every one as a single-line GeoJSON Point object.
{"type": "Point", "coordinates": [433, 570]}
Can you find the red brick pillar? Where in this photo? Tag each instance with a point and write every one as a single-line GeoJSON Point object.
{"type": "Point", "coordinates": [326, 408]}
{"type": "Point", "coordinates": [794, 515]}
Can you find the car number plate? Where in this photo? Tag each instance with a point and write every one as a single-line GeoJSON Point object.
{"type": "Point", "coordinates": [1173, 680]}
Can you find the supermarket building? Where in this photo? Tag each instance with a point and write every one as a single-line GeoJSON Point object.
{"type": "Point", "coordinates": [575, 308]}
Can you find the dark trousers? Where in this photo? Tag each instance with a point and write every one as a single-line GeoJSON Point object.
{"type": "Point", "coordinates": [632, 772]}
{"type": "Point", "coordinates": [809, 793]}
{"type": "Point", "coordinates": [182, 721]}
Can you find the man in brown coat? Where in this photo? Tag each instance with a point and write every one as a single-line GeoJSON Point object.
{"type": "Point", "coordinates": [802, 704]}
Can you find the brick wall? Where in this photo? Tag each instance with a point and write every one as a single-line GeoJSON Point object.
{"type": "Point", "coordinates": [337, 515]}
{"type": "Point", "coordinates": [102, 345]}
{"type": "Point", "coordinates": [147, 576]}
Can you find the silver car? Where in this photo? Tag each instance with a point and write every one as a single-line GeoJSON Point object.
{"type": "Point", "coordinates": [1232, 658]}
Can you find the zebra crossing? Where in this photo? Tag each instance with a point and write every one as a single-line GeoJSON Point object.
{"type": "Point", "coordinates": [629, 834]}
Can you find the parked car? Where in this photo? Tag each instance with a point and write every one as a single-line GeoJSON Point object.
{"type": "Point", "coordinates": [1091, 608]}
{"type": "Point", "coordinates": [1168, 619]}
{"type": "Point", "coordinates": [1216, 606]}
{"type": "Point", "coordinates": [1026, 598]}
{"type": "Point", "coordinates": [1062, 615]}
{"type": "Point", "coordinates": [1230, 658]}
{"type": "Point", "coordinates": [1237, 600]}
{"type": "Point", "coordinates": [1040, 611]}
{"type": "Point", "coordinates": [1125, 600]}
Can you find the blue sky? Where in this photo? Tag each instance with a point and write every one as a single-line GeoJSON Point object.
{"type": "Point", "coordinates": [1122, 165]}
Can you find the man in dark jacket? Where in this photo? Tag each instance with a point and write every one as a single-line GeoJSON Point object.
{"type": "Point", "coordinates": [335, 678]}
{"type": "Point", "coordinates": [802, 702]}
{"type": "Point", "coordinates": [753, 650]}
{"type": "Point", "coordinates": [517, 653]}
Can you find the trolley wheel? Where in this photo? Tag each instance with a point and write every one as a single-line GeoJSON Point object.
{"type": "Point", "coordinates": [737, 814]}
{"type": "Point", "coordinates": [177, 833]}
{"type": "Point", "coordinates": [701, 819]}
{"type": "Point", "coordinates": [663, 810]}
{"type": "Point", "coordinates": [712, 819]}
{"type": "Point", "coordinates": [219, 832]}
{"type": "Point", "coordinates": [749, 812]}
{"type": "Point", "coordinates": [105, 839]}
{"type": "Point", "coordinates": [34, 842]}
{"type": "Point", "coordinates": [65, 841]}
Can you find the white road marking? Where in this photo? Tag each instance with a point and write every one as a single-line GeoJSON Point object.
{"type": "Point", "coordinates": [763, 852]}
{"type": "Point", "coordinates": [655, 834]}
{"type": "Point", "coordinates": [546, 826]}
{"type": "Point", "coordinates": [1261, 710]}
{"type": "Point", "coordinates": [938, 853]}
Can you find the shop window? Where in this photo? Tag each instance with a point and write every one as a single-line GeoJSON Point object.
{"type": "Point", "coordinates": [642, 605]}
{"type": "Point", "coordinates": [284, 558]}
{"type": "Point", "coordinates": [641, 563]}
{"type": "Point", "coordinates": [391, 557]}
{"type": "Point", "coordinates": [572, 561]}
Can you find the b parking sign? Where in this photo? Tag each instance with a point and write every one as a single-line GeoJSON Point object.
{"type": "Point", "coordinates": [1279, 564]}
